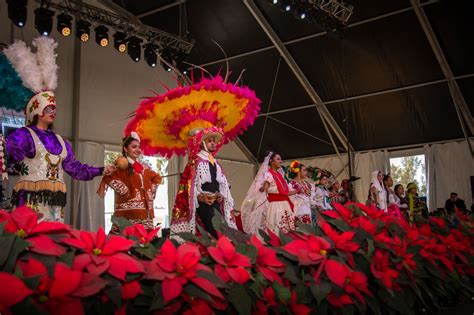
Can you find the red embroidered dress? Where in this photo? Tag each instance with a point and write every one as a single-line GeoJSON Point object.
{"type": "Point", "coordinates": [279, 215]}
{"type": "Point", "coordinates": [134, 194]}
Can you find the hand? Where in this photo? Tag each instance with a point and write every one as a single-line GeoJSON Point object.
{"type": "Point", "coordinates": [235, 213]}
{"type": "Point", "coordinates": [220, 198]}
{"type": "Point", "coordinates": [109, 169]}
{"type": "Point", "coordinates": [206, 198]}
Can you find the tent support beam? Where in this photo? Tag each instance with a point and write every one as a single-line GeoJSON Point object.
{"type": "Point", "coordinates": [458, 99]}
{"type": "Point", "coordinates": [241, 145]}
{"type": "Point", "coordinates": [404, 88]}
{"type": "Point", "coordinates": [322, 110]}
{"type": "Point", "coordinates": [300, 39]}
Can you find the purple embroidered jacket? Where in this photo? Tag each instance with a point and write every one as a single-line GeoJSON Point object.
{"type": "Point", "coordinates": [20, 145]}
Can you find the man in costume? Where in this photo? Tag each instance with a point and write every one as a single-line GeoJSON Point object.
{"type": "Point", "coordinates": [203, 187]}
{"type": "Point", "coordinates": [197, 119]}
{"type": "Point", "coordinates": [37, 154]}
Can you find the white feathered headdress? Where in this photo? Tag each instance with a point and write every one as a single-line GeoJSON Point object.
{"type": "Point", "coordinates": [38, 71]}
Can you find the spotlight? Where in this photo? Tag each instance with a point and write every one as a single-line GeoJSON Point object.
{"type": "Point", "coordinates": [150, 55]}
{"type": "Point", "coordinates": [64, 24]}
{"type": "Point", "coordinates": [180, 63]}
{"type": "Point", "coordinates": [101, 35]}
{"type": "Point", "coordinates": [17, 11]}
{"type": "Point", "coordinates": [83, 30]}
{"type": "Point", "coordinates": [166, 59]}
{"type": "Point", "coordinates": [275, 1]}
{"type": "Point", "coordinates": [286, 5]}
{"type": "Point", "coordinates": [134, 48]}
{"type": "Point", "coordinates": [44, 21]}
{"type": "Point", "coordinates": [301, 14]}
{"type": "Point", "coordinates": [120, 42]}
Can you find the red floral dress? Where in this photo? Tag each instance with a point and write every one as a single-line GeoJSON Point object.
{"type": "Point", "coordinates": [302, 201]}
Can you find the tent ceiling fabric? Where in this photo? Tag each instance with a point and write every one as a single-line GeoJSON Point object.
{"type": "Point", "coordinates": [384, 48]}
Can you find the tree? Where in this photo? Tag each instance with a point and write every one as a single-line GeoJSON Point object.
{"type": "Point", "coordinates": [410, 170]}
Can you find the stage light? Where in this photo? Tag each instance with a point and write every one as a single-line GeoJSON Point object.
{"type": "Point", "coordinates": [44, 21]}
{"type": "Point", "coordinates": [17, 12]}
{"type": "Point", "coordinates": [180, 63]}
{"type": "Point", "coordinates": [64, 24]}
{"type": "Point", "coordinates": [301, 14]}
{"type": "Point", "coordinates": [83, 30]}
{"type": "Point", "coordinates": [134, 48]}
{"type": "Point", "coordinates": [120, 42]}
{"type": "Point", "coordinates": [275, 1]}
{"type": "Point", "coordinates": [102, 35]}
{"type": "Point", "coordinates": [166, 59]}
{"type": "Point", "coordinates": [150, 55]}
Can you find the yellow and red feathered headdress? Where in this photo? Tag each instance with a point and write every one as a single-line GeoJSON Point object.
{"type": "Point", "coordinates": [165, 123]}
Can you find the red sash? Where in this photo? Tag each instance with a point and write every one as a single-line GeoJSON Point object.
{"type": "Point", "coordinates": [282, 187]}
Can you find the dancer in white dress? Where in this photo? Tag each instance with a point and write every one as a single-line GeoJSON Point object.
{"type": "Point", "coordinates": [304, 190]}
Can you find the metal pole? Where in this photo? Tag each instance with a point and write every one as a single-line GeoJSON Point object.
{"type": "Point", "coordinates": [322, 110]}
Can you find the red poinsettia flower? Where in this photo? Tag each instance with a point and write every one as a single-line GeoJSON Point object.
{"type": "Point", "coordinates": [23, 222]}
{"type": "Point", "coordinates": [103, 254]}
{"type": "Point", "coordinates": [440, 222]}
{"type": "Point", "coordinates": [372, 211]}
{"type": "Point", "coordinates": [309, 251]}
{"type": "Point", "coordinates": [380, 267]}
{"type": "Point", "coordinates": [341, 241]}
{"type": "Point", "coordinates": [198, 307]}
{"type": "Point", "coordinates": [384, 238]}
{"type": "Point", "coordinates": [274, 239]}
{"type": "Point", "coordinates": [407, 258]}
{"type": "Point", "coordinates": [61, 293]}
{"type": "Point", "coordinates": [344, 213]}
{"type": "Point", "coordinates": [267, 262]}
{"type": "Point", "coordinates": [367, 225]}
{"type": "Point", "coordinates": [339, 300]}
{"type": "Point", "coordinates": [176, 267]}
{"type": "Point", "coordinates": [456, 247]}
{"type": "Point", "coordinates": [139, 232]}
{"type": "Point", "coordinates": [352, 282]}
{"type": "Point", "coordinates": [131, 290]}
{"type": "Point", "coordinates": [432, 251]}
{"type": "Point", "coordinates": [298, 309]}
{"type": "Point", "coordinates": [230, 264]}
{"type": "Point", "coordinates": [12, 292]}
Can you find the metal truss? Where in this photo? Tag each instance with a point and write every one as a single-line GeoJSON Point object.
{"type": "Point", "coordinates": [96, 15]}
{"type": "Point", "coordinates": [334, 8]}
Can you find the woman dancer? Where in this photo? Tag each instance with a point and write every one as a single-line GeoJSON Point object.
{"type": "Point", "coordinates": [134, 185]}
{"type": "Point", "coordinates": [392, 207]}
{"type": "Point", "coordinates": [302, 198]}
{"type": "Point", "coordinates": [377, 192]}
{"type": "Point", "coordinates": [280, 212]}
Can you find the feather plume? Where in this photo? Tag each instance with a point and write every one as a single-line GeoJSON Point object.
{"type": "Point", "coordinates": [47, 61]}
{"type": "Point", "coordinates": [26, 65]}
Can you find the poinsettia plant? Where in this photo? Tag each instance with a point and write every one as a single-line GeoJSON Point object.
{"type": "Point", "coordinates": [355, 260]}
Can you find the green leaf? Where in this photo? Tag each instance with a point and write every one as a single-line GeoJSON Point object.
{"type": "Point", "coordinates": [218, 222]}
{"type": "Point", "coordinates": [320, 290]}
{"type": "Point", "coordinates": [248, 250]}
{"type": "Point", "coordinates": [373, 304]}
{"type": "Point", "coordinates": [121, 223]}
{"type": "Point", "coordinates": [189, 237]}
{"type": "Point", "coordinates": [256, 288]}
{"type": "Point", "coordinates": [212, 277]}
{"type": "Point", "coordinates": [341, 225]}
{"type": "Point", "coordinates": [6, 243]}
{"type": "Point", "coordinates": [205, 239]}
{"type": "Point", "coordinates": [284, 239]}
{"type": "Point", "coordinates": [240, 299]}
{"type": "Point", "coordinates": [193, 290]}
{"type": "Point", "coordinates": [158, 300]}
{"type": "Point", "coordinates": [303, 295]}
{"type": "Point", "coordinates": [27, 306]}
{"type": "Point", "coordinates": [115, 294]}
{"type": "Point", "coordinates": [149, 251]}
{"type": "Point", "coordinates": [2, 227]}
{"type": "Point", "coordinates": [283, 294]}
{"type": "Point", "coordinates": [19, 246]}
{"type": "Point", "coordinates": [68, 258]}
{"type": "Point", "coordinates": [305, 228]}
{"type": "Point", "coordinates": [32, 282]}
